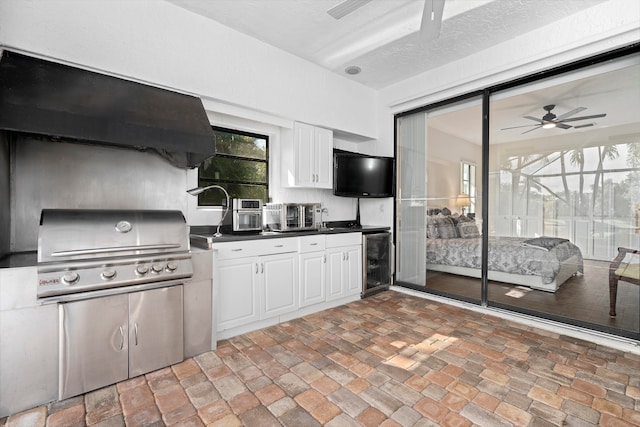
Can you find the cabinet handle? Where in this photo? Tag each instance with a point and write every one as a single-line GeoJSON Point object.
{"type": "Point", "coordinates": [313, 244]}
{"type": "Point", "coordinates": [256, 268]}
{"type": "Point", "coordinates": [262, 267]}
{"type": "Point", "coordinates": [278, 246]}
{"type": "Point", "coordinates": [121, 337]}
{"type": "Point", "coordinates": [135, 332]}
{"type": "Point", "coordinates": [236, 250]}
{"type": "Point", "coordinates": [324, 259]}
{"type": "Point", "coordinates": [347, 256]}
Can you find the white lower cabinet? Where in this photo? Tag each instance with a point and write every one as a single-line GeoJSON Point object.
{"type": "Point", "coordinates": [312, 260]}
{"type": "Point", "coordinates": [238, 301]}
{"type": "Point", "coordinates": [279, 286]}
{"type": "Point", "coordinates": [254, 288]}
{"type": "Point", "coordinates": [344, 265]}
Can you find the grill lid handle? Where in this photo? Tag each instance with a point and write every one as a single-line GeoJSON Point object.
{"type": "Point", "coordinates": [114, 249]}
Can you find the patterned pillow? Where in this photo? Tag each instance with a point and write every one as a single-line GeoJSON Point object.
{"type": "Point", "coordinates": [446, 228]}
{"type": "Point", "coordinates": [460, 218]}
{"type": "Point", "coordinates": [432, 229]}
{"type": "Point", "coordinates": [468, 230]}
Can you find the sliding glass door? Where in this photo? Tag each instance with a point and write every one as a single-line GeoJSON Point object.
{"type": "Point", "coordinates": [439, 205]}
{"type": "Point", "coordinates": [564, 188]}
{"type": "Point", "coordinates": [560, 192]}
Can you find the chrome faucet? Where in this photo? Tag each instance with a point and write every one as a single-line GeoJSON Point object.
{"type": "Point", "coordinates": [323, 211]}
{"type": "Point", "coordinates": [198, 190]}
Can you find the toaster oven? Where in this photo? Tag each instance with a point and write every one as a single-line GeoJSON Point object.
{"type": "Point", "coordinates": [292, 216]}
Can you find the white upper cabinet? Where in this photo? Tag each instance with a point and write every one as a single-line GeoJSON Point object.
{"type": "Point", "coordinates": [307, 157]}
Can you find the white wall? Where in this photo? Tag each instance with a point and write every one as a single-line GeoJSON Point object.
{"type": "Point", "coordinates": [444, 155]}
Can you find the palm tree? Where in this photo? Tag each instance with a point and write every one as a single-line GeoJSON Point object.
{"type": "Point", "coordinates": [576, 157]}
{"type": "Point", "coordinates": [604, 152]}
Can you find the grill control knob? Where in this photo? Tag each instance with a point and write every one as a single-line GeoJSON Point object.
{"type": "Point", "coordinates": [70, 277]}
{"type": "Point", "coordinates": [172, 266]}
{"type": "Point", "coordinates": [108, 274]}
{"type": "Point", "coordinates": [142, 269]}
{"type": "Point", "coordinates": [157, 268]}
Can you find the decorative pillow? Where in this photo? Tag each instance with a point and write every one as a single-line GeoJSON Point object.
{"type": "Point", "coordinates": [432, 229]}
{"type": "Point", "coordinates": [446, 211]}
{"type": "Point", "coordinates": [460, 218]}
{"type": "Point", "coordinates": [468, 230]}
{"type": "Point", "coordinates": [446, 228]}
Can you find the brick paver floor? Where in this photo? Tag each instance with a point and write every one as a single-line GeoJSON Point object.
{"type": "Point", "coordinates": [388, 360]}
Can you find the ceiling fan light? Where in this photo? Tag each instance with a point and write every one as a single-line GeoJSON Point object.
{"type": "Point", "coordinates": [550, 125]}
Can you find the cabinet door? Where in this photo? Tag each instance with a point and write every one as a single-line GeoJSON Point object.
{"type": "Point", "coordinates": [93, 344]}
{"type": "Point", "coordinates": [335, 280]}
{"type": "Point", "coordinates": [304, 155]}
{"type": "Point", "coordinates": [155, 329]}
{"type": "Point", "coordinates": [323, 158]}
{"type": "Point", "coordinates": [238, 300]}
{"type": "Point", "coordinates": [280, 290]}
{"type": "Point", "coordinates": [312, 278]}
{"type": "Point", "coordinates": [353, 266]}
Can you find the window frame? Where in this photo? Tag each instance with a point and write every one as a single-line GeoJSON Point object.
{"type": "Point", "coordinates": [468, 186]}
{"type": "Point", "coordinates": [203, 181]}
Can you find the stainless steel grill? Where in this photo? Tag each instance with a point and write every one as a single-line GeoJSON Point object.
{"type": "Point", "coordinates": [83, 250]}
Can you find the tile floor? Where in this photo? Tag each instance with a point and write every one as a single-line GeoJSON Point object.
{"type": "Point", "coordinates": [388, 360]}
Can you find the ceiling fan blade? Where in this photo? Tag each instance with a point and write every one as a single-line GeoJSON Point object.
{"type": "Point", "coordinates": [527, 131]}
{"type": "Point", "coordinates": [595, 116]}
{"type": "Point", "coordinates": [516, 127]}
{"type": "Point", "coordinates": [535, 119]}
{"type": "Point", "coordinates": [570, 113]}
{"type": "Point", "coordinates": [431, 19]}
{"type": "Point", "coordinates": [346, 7]}
{"type": "Point", "coordinates": [563, 126]}
{"type": "Point", "coordinates": [584, 126]}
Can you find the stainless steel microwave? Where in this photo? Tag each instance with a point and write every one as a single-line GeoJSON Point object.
{"type": "Point", "coordinates": [247, 215]}
{"type": "Point", "coordinates": [292, 216]}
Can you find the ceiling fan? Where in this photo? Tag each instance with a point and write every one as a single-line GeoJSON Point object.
{"type": "Point", "coordinates": [431, 15]}
{"type": "Point", "coordinates": [550, 120]}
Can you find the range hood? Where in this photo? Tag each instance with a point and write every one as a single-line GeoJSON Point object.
{"type": "Point", "coordinates": [47, 98]}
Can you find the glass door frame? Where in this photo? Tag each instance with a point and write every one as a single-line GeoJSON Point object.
{"type": "Point", "coordinates": [486, 99]}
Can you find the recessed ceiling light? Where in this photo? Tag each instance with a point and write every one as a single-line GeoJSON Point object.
{"type": "Point", "coordinates": [353, 70]}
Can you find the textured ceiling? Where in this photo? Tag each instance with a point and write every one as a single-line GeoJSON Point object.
{"type": "Point", "coordinates": [383, 37]}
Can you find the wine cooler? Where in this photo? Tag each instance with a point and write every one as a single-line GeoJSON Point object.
{"type": "Point", "coordinates": [377, 265]}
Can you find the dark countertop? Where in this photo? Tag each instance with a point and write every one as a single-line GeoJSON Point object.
{"type": "Point", "coordinates": [19, 259]}
{"type": "Point", "coordinates": [202, 235]}
{"type": "Point", "coordinates": [201, 238]}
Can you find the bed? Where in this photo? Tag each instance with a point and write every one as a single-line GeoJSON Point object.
{"type": "Point", "coordinates": [542, 263]}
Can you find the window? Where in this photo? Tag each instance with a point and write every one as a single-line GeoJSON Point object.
{"type": "Point", "coordinates": [240, 165]}
{"type": "Point", "coordinates": [468, 184]}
